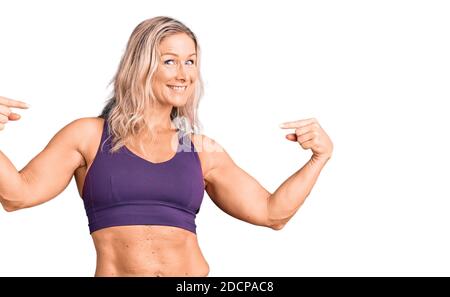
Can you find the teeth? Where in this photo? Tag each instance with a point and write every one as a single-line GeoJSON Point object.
{"type": "Point", "coordinates": [177, 88]}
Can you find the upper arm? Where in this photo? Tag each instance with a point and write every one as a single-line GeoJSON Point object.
{"type": "Point", "coordinates": [232, 189]}
{"type": "Point", "coordinates": [49, 173]}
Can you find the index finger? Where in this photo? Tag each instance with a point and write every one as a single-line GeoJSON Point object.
{"type": "Point", "coordinates": [297, 124]}
{"type": "Point", "coordinates": [12, 103]}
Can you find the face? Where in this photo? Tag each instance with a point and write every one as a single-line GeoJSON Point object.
{"type": "Point", "coordinates": [174, 80]}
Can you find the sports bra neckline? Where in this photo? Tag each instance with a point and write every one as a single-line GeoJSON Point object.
{"type": "Point", "coordinates": [173, 157]}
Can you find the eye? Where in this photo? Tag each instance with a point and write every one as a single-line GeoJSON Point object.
{"type": "Point", "coordinates": [171, 62]}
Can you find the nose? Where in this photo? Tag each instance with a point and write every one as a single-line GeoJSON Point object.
{"type": "Point", "coordinates": [181, 72]}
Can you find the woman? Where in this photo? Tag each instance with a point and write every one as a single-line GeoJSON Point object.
{"type": "Point", "coordinates": [142, 166]}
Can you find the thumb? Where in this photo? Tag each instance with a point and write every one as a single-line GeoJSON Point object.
{"type": "Point", "coordinates": [13, 116]}
{"type": "Point", "coordinates": [291, 137]}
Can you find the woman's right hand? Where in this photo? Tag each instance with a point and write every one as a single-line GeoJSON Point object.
{"type": "Point", "coordinates": [5, 112]}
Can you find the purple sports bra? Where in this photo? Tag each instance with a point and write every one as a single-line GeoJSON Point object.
{"type": "Point", "coordinates": [122, 188]}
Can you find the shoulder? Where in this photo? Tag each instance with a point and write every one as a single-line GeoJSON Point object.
{"type": "Point", "coordinates": [74, 139]}
{"type": "Point", "coordinates": [211, 152]}
{"type": "Point", "coordinates": [80, 132]}
{"type": "Point", "coordinates": [83, 127]}
{"type": "Point", "coordinates": [87, 122]}
{"type": "Point", "coordinates": [206, 144]}
{"type": "Point", "coordinates": [80, 128]}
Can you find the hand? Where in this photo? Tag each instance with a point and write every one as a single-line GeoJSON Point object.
{"type": "Point", "coordinates": [310, 135]}
{"type": "Point", "coordinates": [6, 114]}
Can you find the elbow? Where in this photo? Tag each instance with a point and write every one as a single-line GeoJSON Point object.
{"type": "Point", "coordinates": [10, 206]}
{"type": "Point", "coordinates": [276, 225]}
{"type": "Point", "coordinates": [13, 200]}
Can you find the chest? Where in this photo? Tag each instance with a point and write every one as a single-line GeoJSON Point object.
{"type": "Point", "coordinates": [153, 155]}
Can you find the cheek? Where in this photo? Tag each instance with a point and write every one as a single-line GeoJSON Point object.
{"type": "Point", "coordinates": [193, 74]}
{"type": "Point", "coordinates": [159, 81]}
{"type": "Point", "coordinates": [162, 77]}
{"type": "Point", "coordinates": [163, 74]}
{"type": "Point", "coordinates": [192, 80]}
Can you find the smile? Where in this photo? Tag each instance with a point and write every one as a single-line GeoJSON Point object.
{"type": "Point", "coordinates": [178, 88]}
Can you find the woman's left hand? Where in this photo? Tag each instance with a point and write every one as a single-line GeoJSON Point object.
{"type": "Point", "coordinates": [310, 135]}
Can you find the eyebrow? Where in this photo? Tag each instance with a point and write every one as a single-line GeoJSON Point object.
{"type": "Point", "coordinates": [173, 54]}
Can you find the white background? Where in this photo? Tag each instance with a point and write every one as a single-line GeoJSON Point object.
{"type": "Point", "coordinates": [374, 73]}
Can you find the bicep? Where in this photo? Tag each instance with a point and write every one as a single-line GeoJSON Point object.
{"type": "Point", "coordinates": [235, 191]}
{"type": "Point", "coordinates": [49, 173]}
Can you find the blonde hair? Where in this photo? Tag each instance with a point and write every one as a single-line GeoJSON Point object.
{"type": "Point", "coordinates": [133, 94]}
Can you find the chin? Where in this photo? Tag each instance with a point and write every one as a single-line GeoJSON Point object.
{"type": "Point", "coordinates": [178, 101]}
{"type": "Point", "coordinates": [179, 104]}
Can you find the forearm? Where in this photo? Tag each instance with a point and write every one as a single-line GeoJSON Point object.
{"type": "Point", "coordinates": [11, 184]}
{"type": "Point", "coordinates": [288, 198]}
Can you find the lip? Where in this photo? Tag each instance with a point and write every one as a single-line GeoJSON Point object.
{"type": "Point", "coordinates": [175, 86]}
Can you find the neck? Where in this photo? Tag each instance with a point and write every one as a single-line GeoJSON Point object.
{"type": "Point", "coordinates": [158, 119]}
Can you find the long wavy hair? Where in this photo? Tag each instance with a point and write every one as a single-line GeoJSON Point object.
{"type": "Point", "coordinates": [133, 94]}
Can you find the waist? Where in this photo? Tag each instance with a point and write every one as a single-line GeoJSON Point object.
{"type": "Point", "coordinates": [148, 251]}
{"type": "Point", "coordinates": [141, 212]}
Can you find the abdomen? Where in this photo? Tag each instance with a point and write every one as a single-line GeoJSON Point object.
{"type": "Point", "coordinates": [148, 250]}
